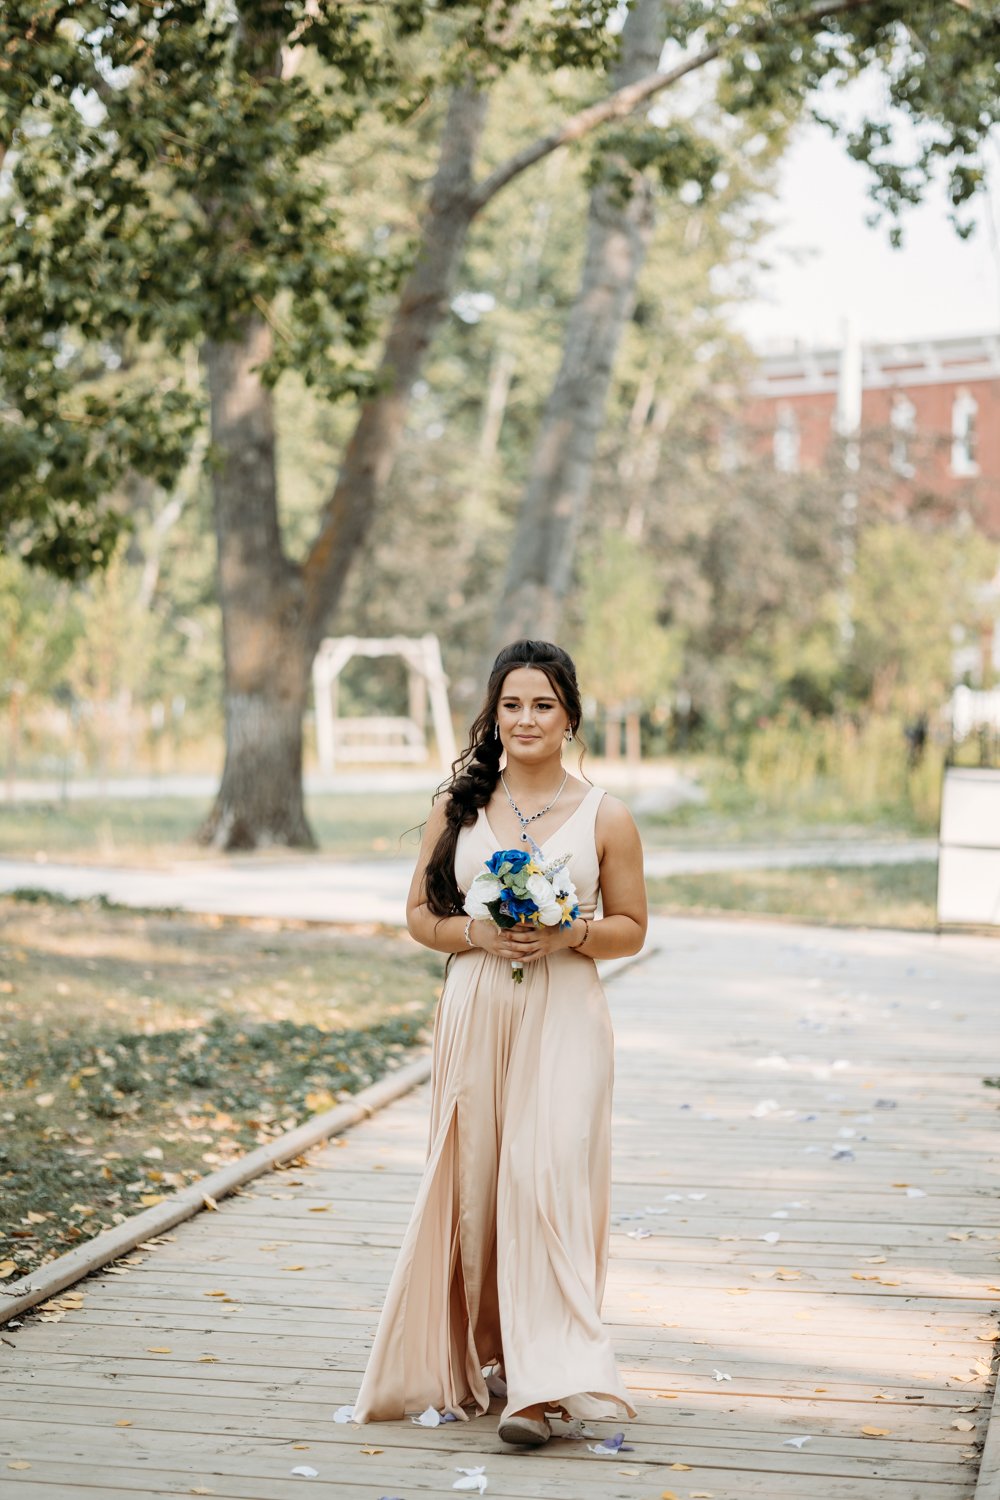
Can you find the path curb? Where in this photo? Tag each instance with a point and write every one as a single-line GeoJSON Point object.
{"type": "Point", "coordinates": [66, 1269]}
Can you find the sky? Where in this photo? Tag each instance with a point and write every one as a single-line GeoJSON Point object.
{"type": "Point", "coordinates": [935, 285]}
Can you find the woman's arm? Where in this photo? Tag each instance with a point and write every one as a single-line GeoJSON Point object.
{"type": "Point", "coordinates": [446, 934]}
{"type": "Point", "coordinates": [621, 931]}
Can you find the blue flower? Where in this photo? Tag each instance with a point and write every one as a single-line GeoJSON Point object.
{"type": "Point", "coordinates": [517, 908]}
{"type": "Point", "coordinates": [516, 859]}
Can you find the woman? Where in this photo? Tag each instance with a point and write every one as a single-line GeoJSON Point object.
{"type": "Point", "coordinates": [505, 1256]}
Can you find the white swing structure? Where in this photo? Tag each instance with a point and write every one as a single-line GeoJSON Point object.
{"type": "Point", "coordinates": [389, 739]}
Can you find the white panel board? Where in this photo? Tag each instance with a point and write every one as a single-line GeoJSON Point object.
{"type": "Point", "coordinates": [969, 856]}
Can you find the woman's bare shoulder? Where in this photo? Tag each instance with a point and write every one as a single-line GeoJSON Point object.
{"type": "Point", "coordinates": [615, 821]}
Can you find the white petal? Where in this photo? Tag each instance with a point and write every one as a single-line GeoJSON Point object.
{"type": "Point", "coordinates": [429, 1418]}
{"type": "Point", "coordinates": [344, 1414]}
{"type": "Point", "coordinates": [305, 1471]}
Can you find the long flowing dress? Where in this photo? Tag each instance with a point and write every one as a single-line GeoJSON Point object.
{"type": "Point", "coordinates": [505, 1256]}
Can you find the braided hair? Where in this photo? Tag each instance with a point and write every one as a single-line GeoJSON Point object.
{"type": "Point", "coordinates": [475, 773]}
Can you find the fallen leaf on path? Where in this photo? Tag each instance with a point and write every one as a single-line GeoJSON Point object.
{"type": "Point", "coordinates": [208, 1359]}
{"type": "Point", "coordinates": [7, 1267]}
{"type": "Point", "coordinates": [679, 1466]}
{"type": "Point", "coordinates": [876, 1431]}
{"type": "Point", "coordinates": [158, 1349]}
{"type": "Point", "coordinates": [201, 1489]}
{"type": "Point", "coordinates": [962, 1424]}
{"type": "Point", "coordinates": [321, 1209]}
{"type": "Point", "coordinates": [293, 1268]}
{"type": "Point", "coordinates": [127, 1422]}
{"type": "Point", "coordinates": [371, 1452]}
{"type": "Point", "coordinates": [19, 1463]}
{"type": "Point", "coordinates": [149, 1199]}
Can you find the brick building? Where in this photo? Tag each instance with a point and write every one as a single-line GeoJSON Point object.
{"type": "Point", "coordinates": [932, 404]}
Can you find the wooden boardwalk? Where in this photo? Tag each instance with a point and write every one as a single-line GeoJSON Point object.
{"type": "Point", "coordinates": [802, 1133]}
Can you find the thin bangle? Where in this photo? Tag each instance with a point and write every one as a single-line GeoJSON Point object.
{"type": "Point", "coordinates": [468, 927]}
{"type": "Point", "coordinates": [575, 947]}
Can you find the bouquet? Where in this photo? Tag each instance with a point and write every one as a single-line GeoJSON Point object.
{"type": "Point", "coordinates": [516, 889]}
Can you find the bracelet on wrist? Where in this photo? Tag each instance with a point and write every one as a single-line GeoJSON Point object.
{"type": "Point", "coordinates": [575, 947]}
{"type": "Point", "coordinates": [468, 929]}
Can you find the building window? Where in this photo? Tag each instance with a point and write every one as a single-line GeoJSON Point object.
{"type": "Point", "coordinates": [903, 421]}
{"type": "Point", "coordinates": [787, 440]}
{"type": "Point", "coordinates": [963, 434]}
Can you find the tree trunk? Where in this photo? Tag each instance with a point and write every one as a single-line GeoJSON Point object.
{"type": "Point", "coordinates": [265, 652]}
{"type": "Point", "coordinates": [633, 737]}
{"type": "Point", "coordinates": [374, 445]}
{"type": "Point", "coordinates": [543, 549]}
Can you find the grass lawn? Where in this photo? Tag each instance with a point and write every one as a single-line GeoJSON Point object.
{"type": "Point", "coordinates": [141, 1050]}
{"type": "Point", "coordinates": [155, 832]}
{"type": "Point", "coordinates": [866, 895]}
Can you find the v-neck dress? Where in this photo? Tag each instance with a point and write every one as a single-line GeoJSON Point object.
{"type": "Point", "coordinates": [505, 1256]}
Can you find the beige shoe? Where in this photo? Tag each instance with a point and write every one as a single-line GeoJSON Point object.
{"type": "Point", "coordinates": [529, 1432]}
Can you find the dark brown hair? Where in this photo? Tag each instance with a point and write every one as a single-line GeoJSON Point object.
{"type": "Point", "coordinates": [475, 773]}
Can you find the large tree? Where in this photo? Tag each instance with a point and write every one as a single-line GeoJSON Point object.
{"type": "Point", "coordinates": [165, 189]}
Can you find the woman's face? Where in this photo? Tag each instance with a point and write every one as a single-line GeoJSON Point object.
{"type": "Point", "coordinates": [533, 722]}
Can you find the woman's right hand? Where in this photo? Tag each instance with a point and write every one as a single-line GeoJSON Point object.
{"type": "Point", "coordinates": [492, 939]}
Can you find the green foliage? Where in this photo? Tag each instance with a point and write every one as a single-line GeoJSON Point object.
{"type": "Point", "coordinates": [165, 183]}
{"type": "Point", "coordinates": [624, 655]}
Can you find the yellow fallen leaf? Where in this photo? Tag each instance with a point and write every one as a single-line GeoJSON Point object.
{"type": "Point", "coordinates": [322, 1209]}
{"type": "Point", "coordinates": [124, 1422]}
{"type": "Point", "coordinates": [7, 1267]}
{"type": "Point", "coordinates": [158, 1349]}
{"type": "Point", "coordinates": [293, 1268]}
{"type": "Point", "coordinates": [630, 1473]}
{"type": "Point", "coordinates": [208, 1359]}
{"type": "Point", "coordinates": [962, 1424]}
{"type": "Point", "coordinates": [219, 1293]}
{"type": "Point", "coordinates": [33, 1218]}
{"type": "Point", "coordinates": [668, 1495]}
{"type": "Point", "coordinates": [886, 1281]}
{"type": "Point", "coordinates": [702, 1495]}
{"type": "Point", "coordinates": [149, 1199]}
{"type": "Point", "coordinates": [876, 1431]}
{"type": "Point", "coordinates": [678, 1466]}
{"type": "Point", "coordinates": [19, 1463]}
{"type": "Point", "coordinates": [301, 1445]}
{"type": "Point", "coordinates": [862, 1276]}
{"type": "Point", "coordinates": [201, 1489]}
{"type": "Point", "coordinates": [737, 1291]}
{"type": "Point", "coordinates": [665, 1395]}
{"type": "Point", "coordinates": [987, 1338]}
{"type": "Point", "coordinates": [370, 1452]}
{"type": "Point", "coordinates": [209, 1201]}
{"type": "Point", "coordinates": [44, 1100]}
{"type": "Point", "coordinates": [958, 1234]}
{"type": "Point", "coordinates": [819, 1387]}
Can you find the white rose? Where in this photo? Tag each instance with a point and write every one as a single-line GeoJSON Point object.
{"type": "Point", "coordinates": [540, 890]}
{"type": "Point", "coordinates": [483, 890]}
{"type": "Point", "coordinates": [551, 914]}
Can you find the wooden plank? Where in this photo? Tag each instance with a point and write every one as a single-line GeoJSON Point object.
{"type": "Point", "coordinates": [821, 1355]}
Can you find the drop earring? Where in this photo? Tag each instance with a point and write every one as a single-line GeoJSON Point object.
{"type": "Point", "coordinates": [496, 731]}
{"type": "Point", "coordinates": [569, 734]}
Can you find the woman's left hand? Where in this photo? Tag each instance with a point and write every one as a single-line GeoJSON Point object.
{"type": "Point", "coordinates": [533, 943]}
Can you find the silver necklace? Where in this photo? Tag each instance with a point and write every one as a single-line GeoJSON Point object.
{"type": "Point", "coordinates": [525, 820]}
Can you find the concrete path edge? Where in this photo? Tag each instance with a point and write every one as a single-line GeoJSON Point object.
{"type": "Point", "coordinates": [67, 1269]}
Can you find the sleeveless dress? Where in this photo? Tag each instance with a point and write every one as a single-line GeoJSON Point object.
{"type": "Point", "coordinates": [505, 1256]}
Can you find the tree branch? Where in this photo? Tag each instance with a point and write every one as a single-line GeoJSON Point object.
{"type": "Point", "coordinates": [626, 100]}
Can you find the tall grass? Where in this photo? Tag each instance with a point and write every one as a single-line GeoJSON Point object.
{"type": "Point", "coordinates": [837, 769]}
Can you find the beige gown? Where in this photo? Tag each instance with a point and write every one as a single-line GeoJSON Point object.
{"type": "Point", "coordinates": [505, 1255]}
